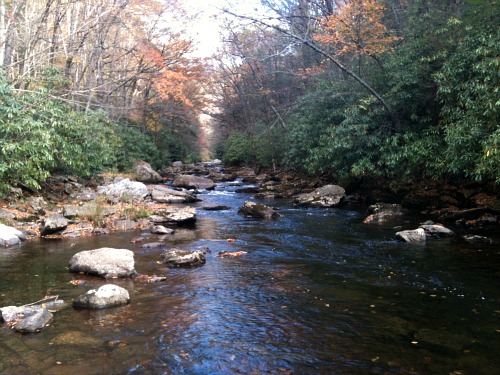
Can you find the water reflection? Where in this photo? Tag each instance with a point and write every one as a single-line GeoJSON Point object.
{"type": "Point", "coordinates": [317, 293]}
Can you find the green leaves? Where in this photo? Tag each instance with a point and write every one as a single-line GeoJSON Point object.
{"type": "Point", "coordinates": [468, 90]}
{"type": "Point", "coordinates": [40, 135]}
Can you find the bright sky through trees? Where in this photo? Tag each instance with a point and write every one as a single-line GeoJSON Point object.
{"type": "Point", "coordinates": [206, 30]}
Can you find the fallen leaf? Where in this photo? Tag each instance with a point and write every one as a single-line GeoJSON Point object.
{"type": "Point", "coordinates": [77, 282]}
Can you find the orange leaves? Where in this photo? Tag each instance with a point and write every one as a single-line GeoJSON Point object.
{"type": "Point", "coordinates": [357, 28]}
{"type": "Point", "coordinates": [175, 72]}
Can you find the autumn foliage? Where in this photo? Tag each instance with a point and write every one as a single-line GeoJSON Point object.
{"type": "Point", "coordinates": [357, 28]}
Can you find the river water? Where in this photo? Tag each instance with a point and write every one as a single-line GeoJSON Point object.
{"type": "Point", "coordinates": [318, 292]}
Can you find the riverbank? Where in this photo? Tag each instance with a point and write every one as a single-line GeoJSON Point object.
{"type": "Point", "coordinates": [67, 206]}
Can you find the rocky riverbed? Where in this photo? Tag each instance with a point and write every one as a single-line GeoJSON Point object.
{"type": "Point", "coordinates": [71, 207]}
{"type": "Point", "coordinates": [241, 285]}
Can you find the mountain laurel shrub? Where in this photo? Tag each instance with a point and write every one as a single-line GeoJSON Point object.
{"type": "Point", "coordinates": [40, 135]}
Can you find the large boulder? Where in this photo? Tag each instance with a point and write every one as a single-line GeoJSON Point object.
{"type": "Point", "coordinates": [104, 262]}
{"type": "Point", "coordinates": [106, 296]}
{"type": "Point", "coordinates": [125, 190]}
{"type": "Point", "coordinates": [53, 223]}
{"type": "Point", "coordinates": [183, 258]}
{"type": "Point", "coordinates": [326, 196]}
{"type": "Point", "coordinates": [258, 211]}
{"type": "Point", "coordinates": [193, 182]}
{"type": "Point", "coordinates": [173, 215]}
{"type": "Point", "coordinates": [10, 236]}
{"type": "Point", "coordinates": [164, 194]}
{"type": "Point", "coordinates": [144, 172]}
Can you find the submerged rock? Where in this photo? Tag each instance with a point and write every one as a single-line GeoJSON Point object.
{"type": "Point", "coordinates": [326, 196]}
{"type": "Point", "coordinates": [106, 296]}
{"type": "Point", "coordinates": [104, 262]}
{"type": "Point", "coordinates": [216, 208]}
{"type": "Point", "coordinates": [183, 258]}
{"type": "Point", "coordinates": [477, 239]}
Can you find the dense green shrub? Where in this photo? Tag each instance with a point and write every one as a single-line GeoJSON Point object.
{"type": "Point", "coordinates": [469, 88]}
{"type": "Point", "coordinates": [239, 149]}
{"type": "Point", "coordinates": [40, 135]}
{"type": "Point", "coordinates": [135, 145]}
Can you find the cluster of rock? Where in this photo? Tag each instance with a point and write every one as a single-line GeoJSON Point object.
{"type": "Point", "coordinates": [87, 210]}
{"type": "Point", "coordinates": [383, 213]}
{"type": "Point", "coordinates": [106, 263]}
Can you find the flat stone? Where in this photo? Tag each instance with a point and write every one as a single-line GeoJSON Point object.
{"type": "Point", "coordinates": [174, 215]}
{"type": "Point", "coordinates": [104, 262]}
{"type": "Point", "coordinates": [193, 182]}
{"type": "Point", "coordinates": [90, 209]}
{"type": "Point", "coordinates": [160, 229]}
{"type": "Point", "coordinates": [163, 194]}
{"type": "Point", "coordinates": [437, 230]}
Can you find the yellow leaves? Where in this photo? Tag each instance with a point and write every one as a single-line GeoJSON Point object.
{"type": "Point", "coordinates": [357, 28]}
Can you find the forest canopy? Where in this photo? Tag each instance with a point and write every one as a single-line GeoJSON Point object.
{"type": "Point", "coordinates": [345, 88]}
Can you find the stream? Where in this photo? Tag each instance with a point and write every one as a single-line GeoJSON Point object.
{"type": "Point", "coordinates": [318, 292]}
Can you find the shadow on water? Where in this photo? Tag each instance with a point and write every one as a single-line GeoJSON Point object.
{"type": "Point", "coordinates": [318, 292]}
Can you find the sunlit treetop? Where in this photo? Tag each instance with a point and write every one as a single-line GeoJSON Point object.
{"type": "Point", "coordinates": [356, 28]}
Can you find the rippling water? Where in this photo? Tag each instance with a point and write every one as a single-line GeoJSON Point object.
{"type": "Point", "coordinates": [317, 293]}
